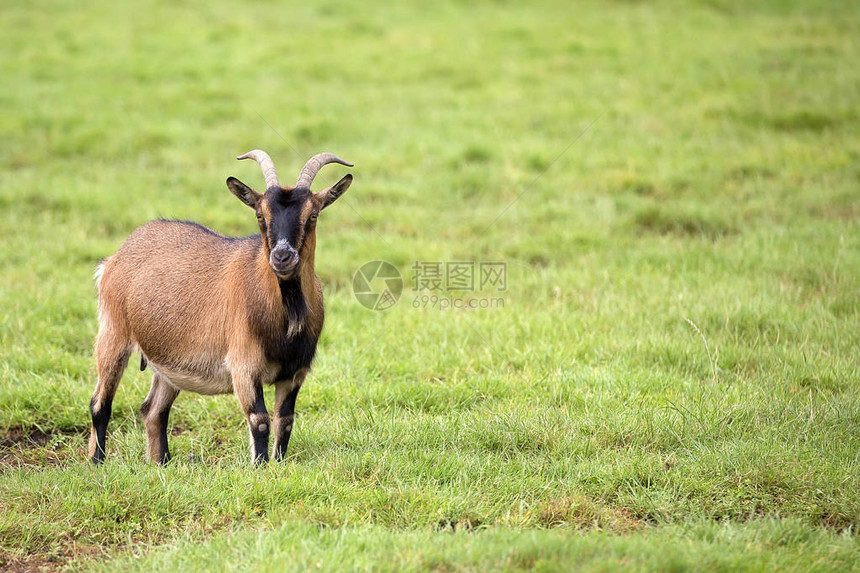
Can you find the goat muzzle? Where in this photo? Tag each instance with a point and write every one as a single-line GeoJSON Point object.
{"type": "Point", "coordinates": [284, 262]}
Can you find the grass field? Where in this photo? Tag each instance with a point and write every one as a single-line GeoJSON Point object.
{"type": "Point", "coordinates": [671, 382]}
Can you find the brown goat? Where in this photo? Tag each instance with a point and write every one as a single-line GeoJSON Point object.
{"type": "Point", "coordinates": [214, 314]}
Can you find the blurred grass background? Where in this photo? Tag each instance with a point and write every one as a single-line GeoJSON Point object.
{"type": "Point", "coordinates": [679, 341]}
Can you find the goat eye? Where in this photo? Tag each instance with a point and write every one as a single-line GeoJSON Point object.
{"type": "Point", "coordinates": [313, 218]}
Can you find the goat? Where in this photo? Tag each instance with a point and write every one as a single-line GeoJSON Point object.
{"type": "Point", "coordinates": [214, 314]}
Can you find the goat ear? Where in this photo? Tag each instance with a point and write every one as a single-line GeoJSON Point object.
{"type": "Point", "coordinates": [245, 194]}
{"type": "Point", "coordinates": [331, 194]}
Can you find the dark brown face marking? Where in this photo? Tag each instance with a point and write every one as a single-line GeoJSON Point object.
{"type": "Point", "coordinates": [286, 218]}
{"type": "Point", "coordinates": [263, 215]}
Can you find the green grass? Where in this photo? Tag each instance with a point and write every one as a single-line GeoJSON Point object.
{"type": "Point", "coordinates": [774, 545]}
{"type": "Point", "coordinates": [673, 380]}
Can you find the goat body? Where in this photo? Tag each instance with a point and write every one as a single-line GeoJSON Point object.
{"type": "Point", "coordinates": [212, 314]}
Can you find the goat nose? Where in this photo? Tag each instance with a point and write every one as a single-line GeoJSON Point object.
{"type": "Point", "coordinates": [284, 257]}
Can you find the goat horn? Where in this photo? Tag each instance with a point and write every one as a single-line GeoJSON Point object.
{"type": "Point", "coordinates": [267, 166]}
{"type": "Point", "coordinates": [314, 164]}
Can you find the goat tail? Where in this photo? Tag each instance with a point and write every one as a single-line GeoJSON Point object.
{"type": "Point", "coordinates": [97, 276]}
{"type": "Point", "coordinates": [100, 271]}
